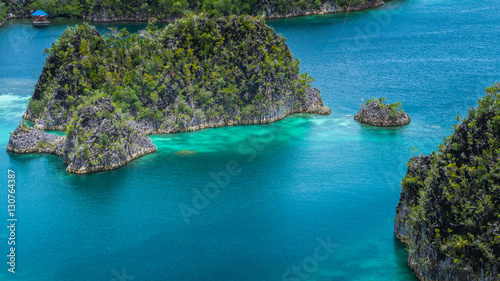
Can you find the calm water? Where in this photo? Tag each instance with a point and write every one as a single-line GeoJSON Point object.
{"type": "Point", "coordinates": [302, 179]}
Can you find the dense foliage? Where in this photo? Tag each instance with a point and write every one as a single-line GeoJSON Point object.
{"type": "Point", "coordinates": [392, 108]}
{"type": "Point", "coordinates": [223, 69]}
{"type": "Point", "coordinates": [102, 139]}
{"type": "Point", "coordinates": [168, 9]}
{"type": "Point", "coordinates": [454, 196]}
{"type": "Point", "coordinates": [198, 72]}
{"type": "Point", "coordinates": [3, 12]}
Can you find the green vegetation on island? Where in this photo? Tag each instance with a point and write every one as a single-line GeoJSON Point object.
{"type": "Point", "coordinates": [195, 73]}
{"type": "Point", "coordinates": [378, 113]}
{"type": "Point", "coordinates": [109, 10]}
{"type": "Point", "coordinates": [223, 70]}
{"type": "Point", "coordinates": [102, 139]}
{"type": "Point", "coordinates": [3, 13]}
{"type": "Point", "coordinates": [449, 211]}
{"type": "Point", "coordinates": [393, 108]}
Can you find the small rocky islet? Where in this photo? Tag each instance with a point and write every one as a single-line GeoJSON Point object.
{"type": "Point", "coordinates": [108, 93]}
{"type": "Point", "coordinates": [25, 139]}
{"type": "Point", "coordinates": [378, 113]}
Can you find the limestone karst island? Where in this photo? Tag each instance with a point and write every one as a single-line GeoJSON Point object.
{"type": "Point", "coordinates": [194, 140]}
{"type": "Point", "coordinates": [109, 92]}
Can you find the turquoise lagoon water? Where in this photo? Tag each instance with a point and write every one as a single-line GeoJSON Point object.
{"type": "Point", "coordinates": [303, 179]}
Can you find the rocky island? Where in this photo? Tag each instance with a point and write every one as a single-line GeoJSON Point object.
{"type": "Point", "coordinates": [169, 10]}
{"type": "Point", "coordinates": [449, 210]}
{"type": "Point", "coordinates": [108, 92]}
{"type": "Point", "coordinates": [378, 113]}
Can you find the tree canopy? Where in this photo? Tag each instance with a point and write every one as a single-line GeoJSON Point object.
{"type": "Point", "coordinates": [170, 9]}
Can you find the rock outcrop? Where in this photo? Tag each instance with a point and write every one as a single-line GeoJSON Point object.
{"type": "Point", "coordinates": [103, 140]}
{"type": "Point", "coordinates": [30, 140]}
{"type": "Point", "coordinates": [258, 80]}
{"type": "Point", "coordinates": [100, 139]}
{"type": "Point", "coordinates": [327, 7]}
{"type": "Point", "coordinates": [380, 114]}
{"type": "Point", "coordinates": [196, 73]}
{"type": "Point", "coordinates": [417, 168]}
{"type": "Point", "coordinates": [449, 210]}
{"type": "Point", "coordinates": [269, 8]}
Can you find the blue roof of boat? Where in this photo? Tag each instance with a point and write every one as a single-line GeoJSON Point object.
{"type": "Point", "coordinates": [39, 13]}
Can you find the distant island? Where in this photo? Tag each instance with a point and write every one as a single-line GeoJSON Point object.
{"type": "Point", "coordinates": [378, 113]}
{"type": "Point", "coordinates": [169, 10]}
{"type": "Point", "coordinates": [107, 93]}
{"type": "Point", "coordinates": [449, 210]}
{"type": "Point", "coordinates": [3, 13]}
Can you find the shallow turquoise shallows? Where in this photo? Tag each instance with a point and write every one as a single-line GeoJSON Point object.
{"type": "Point", "coordinates": [303, 182]}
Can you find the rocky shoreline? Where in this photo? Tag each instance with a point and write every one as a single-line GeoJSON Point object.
{"type": "Point", "coordinates": [329, 7]}
{"type": "Point", "coordinates": [81, 162]}
{"type": "Point", "coordinates": [30, 140]}
{"type": "Point", "coordinates": [95, 153]}
{"type": "Point", "coordinates": [427, 263]}
{"type": "Point", "coordinates": [23, 140]}
{"type": "Point", "coordinates": [313, 105]}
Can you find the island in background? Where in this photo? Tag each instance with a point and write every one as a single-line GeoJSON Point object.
{"type": "Point", "coordinates": [198, 72]}
{"type": "Point", "coordinates": [3, 13]}
{"type": "Point", "coordinates": [169, 10]}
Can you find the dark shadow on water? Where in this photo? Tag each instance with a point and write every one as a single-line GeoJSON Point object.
{"type": "Point", "coordinates": [384, 133]}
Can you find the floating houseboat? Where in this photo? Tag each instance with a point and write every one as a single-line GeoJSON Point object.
{"type": "Point", "coordinates": [40, 18]}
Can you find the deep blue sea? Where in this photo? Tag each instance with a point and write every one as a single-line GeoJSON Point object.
{"type": "Point", "coordinates": [312, 198]}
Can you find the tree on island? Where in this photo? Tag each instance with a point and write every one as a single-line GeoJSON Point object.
{"type": "Point", "coordinates": [168, 10]}
{"type": "Point", "coordinates": [3, 13]}
{"type": "Point", "coordinates": [378, 113]}
{"type": "Point", "coordinates": [393, 108]}
{"type": "Point", "coordinates": [449, 213]}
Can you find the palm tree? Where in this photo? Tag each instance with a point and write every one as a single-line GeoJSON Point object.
{"type": "Point", "coordinates": [460, 243]}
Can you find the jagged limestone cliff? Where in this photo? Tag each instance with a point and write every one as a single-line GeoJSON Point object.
{"type": "Point", "coordinates": [30, 140]}
{"type": "Point", "coordinates": [195, 73]}
{"type": "Point", "coordinates": [449, 211]}
{"type": "Point", "coordinates": [102, 139]}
